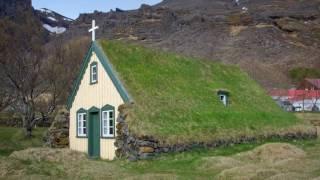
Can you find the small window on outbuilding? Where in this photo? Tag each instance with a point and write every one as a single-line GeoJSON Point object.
{"type": "Point", "coordinates": [93, 73]}
{"type": "Point", "coordinates": [223, 96]}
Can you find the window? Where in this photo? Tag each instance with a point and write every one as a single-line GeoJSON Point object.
{"type": "Point", "coordinates": [223, 96]}
{"type": "Point", "coordinates": [82, 124]}
{"type": "Point", "coordinates": [108, 123]}
{"type": "Point", "coordinates": [223, 99]}
{"type": "Point", "coordinates": [93, 73]}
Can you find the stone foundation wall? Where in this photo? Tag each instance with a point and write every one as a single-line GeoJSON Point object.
{"type": "Point", "coordinates": [57, 135]}
{"type": "Point", "coordinates": [145, 147]}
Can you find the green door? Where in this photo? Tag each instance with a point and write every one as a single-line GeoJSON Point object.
{"type": "Point", "coordinates": [94, 135]}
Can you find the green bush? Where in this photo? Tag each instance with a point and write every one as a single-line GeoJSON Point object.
{"type": "Point", "coordinates": [300, 73]}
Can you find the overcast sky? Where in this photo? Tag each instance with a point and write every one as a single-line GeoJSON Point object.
{"type": "Point", "coordinates": [72, 8]}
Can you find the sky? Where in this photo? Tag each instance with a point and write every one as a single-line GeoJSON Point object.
{"type": "Point", "coordinates": [72, 8]}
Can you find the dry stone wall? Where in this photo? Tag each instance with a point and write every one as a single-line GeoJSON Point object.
{"type": "Point", "coordinates": [57, 135]}
{"type": "Point", "coordinates": [144, 147]}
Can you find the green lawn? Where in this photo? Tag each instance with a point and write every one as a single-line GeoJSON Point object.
{"type": "Point", "coordinates": [176, 97]}
{"type": "Point", "coordinates": [12, 139]}
{"type": "Point", "coordinates": [39, 163]}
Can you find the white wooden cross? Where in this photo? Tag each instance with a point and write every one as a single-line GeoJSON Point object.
{"type": "Point", "coordinates": [93, 30]}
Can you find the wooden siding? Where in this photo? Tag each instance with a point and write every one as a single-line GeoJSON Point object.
{"type": "Point", "coordinates": [98, 95]}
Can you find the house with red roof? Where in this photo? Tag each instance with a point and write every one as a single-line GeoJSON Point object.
{"type": "Point", "coordinates": [309, 84]}
{"type": "Point", "coordinates": [305, 98]}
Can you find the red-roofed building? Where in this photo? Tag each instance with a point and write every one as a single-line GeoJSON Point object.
{"type": "Point", "coordinates": [297, 100]}
{"type": "Point", "coordinates": [310, 84]}
{"type": "Point", "coordinates": [305, 98]}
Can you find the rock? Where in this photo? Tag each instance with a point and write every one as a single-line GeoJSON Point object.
{"type": "Point", "coordinates": [145, 7]}
{"type": "Point", "coordinates": [165, 150]}
{"type": "Point", "coordinates": [145, 143]}
{"type": "Point", "coordinates": [119, 10]}
{"type": "Point", "coordinates": [120, 119]}
{"type": "Point", "coordinates": [58, 133]}
{"type": "Point", "coordinates": [290, 25]}
{"type": "Point", "coordinates": [146, 149]}
{"type": "Point", "coordinates": [119, 153]}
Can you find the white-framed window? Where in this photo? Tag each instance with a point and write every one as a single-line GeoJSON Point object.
{"type": "Point", "coordinates": [108, 123]}
{"type": "Point", "coordinates": [223, 96]}
{"type": "Point", "coordinates": [82, 124]}
{"type": "Point", "coordinates": [94, 73]}
{"type": "Point", "coordinates": [223, 99]}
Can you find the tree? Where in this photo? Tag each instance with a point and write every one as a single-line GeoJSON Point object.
{"type": "Point", "coordinates": [316, 98]}
{"type": "Point", "coordinates": [63, 64]}
{"type": "Point", "coordinates": [36, 76]}
{"type": "Point", "coordinates": [6, 98]}
{"type": "Point", "coordinates": [23, 75]}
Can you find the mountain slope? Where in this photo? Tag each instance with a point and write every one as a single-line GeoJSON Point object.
{"type": "Point", "coordinates": [265, 38]}
{"type": "Point", "coordinates": [13, 7]}
{"type": "Point", "coordinates": [53, 21]}
{"type": "Point", "coordinates": [21, 11]}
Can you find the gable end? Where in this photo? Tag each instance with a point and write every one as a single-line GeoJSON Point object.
{"type": "Point", "coordinates": [107, 67]}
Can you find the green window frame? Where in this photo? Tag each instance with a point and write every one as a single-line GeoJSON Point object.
{"type": "Point", "coordinates": [94, 73]}
{"type": "Point", "coordinates": [82, 123]}
{"type": "Point", "coordinates": [108, 121]}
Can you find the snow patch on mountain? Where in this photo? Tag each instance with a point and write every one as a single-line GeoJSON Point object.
{"type": "Point", "coordinates": [67, 19]}
{"type": "Point", "coordinates": [52, 18]}
{"type": "Point", "coordinates": [45, 10]}
{"type": "Point", "coordinates": [53, 22]}
{"type": "Point", "coordinates": [56, 30]}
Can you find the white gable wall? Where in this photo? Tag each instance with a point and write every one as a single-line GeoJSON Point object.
{"type": "Point", "coordinates": [98, 95]}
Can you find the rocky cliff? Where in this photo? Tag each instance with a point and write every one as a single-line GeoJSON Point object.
{"type": "Point", "coordinates": [265, 38]}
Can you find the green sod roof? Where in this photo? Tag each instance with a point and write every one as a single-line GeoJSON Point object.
{"type": "Point", "coordinates": [175, 97]}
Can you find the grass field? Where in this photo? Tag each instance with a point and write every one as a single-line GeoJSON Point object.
{"type": "Point", "coordinates": [308, 116]}
{"type": "Point", "coordinates": [12, 139]}
{"type": "Point", "coordinates": [176, 97]}
{"type": "Point", "coordinates": [301, 161]}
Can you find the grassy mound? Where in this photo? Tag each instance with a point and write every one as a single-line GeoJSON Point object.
{"type": "Point", "coordinates": [275, 152]}
{"type": "Point", "coordinates": [267, 161]}
{"type": "Point", "coordinates": [176, 97]}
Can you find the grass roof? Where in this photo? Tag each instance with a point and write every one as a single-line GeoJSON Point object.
{"type": "Point", "coordinates": [176, 97]}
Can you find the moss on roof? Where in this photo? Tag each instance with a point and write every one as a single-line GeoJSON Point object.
{"type": "Point", "coordinates": [176, 101]}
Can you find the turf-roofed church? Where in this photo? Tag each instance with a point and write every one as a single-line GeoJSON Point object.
{"type": "Point", "coordinates": [175, 103]}
{"type": "Point", "coordinates": [93, 104]}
